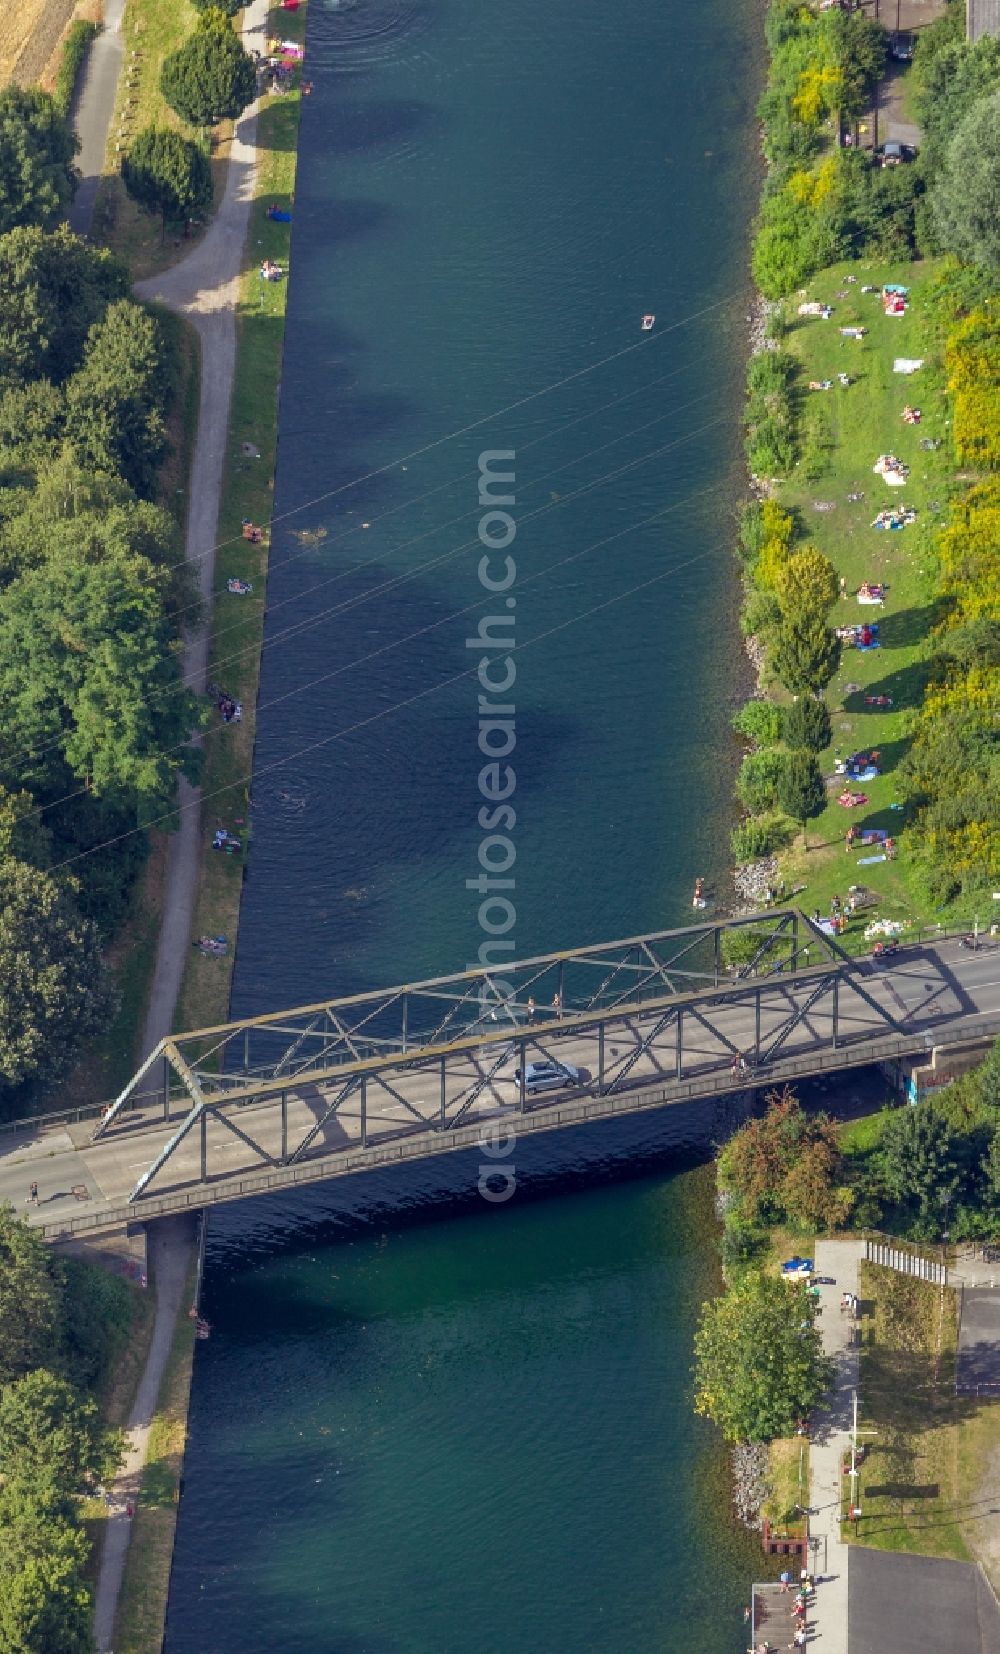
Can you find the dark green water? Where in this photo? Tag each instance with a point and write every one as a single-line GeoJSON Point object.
{"type": "Point", "coordinates": [420, 1424]}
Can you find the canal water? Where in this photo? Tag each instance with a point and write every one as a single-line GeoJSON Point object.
{"type": "Point", "coordinates": [422, 1423]}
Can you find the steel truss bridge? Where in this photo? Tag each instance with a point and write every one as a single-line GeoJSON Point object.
{"type": "Point", "coordinates": [264, 1103]}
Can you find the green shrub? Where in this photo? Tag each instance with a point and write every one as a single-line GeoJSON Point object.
{"type": "Point", "coordinates": [770, 448]}
{"type": "Point", "coordinates": [78, 39]}
{"type": "Point", "coordinates": [759, 721]}
{"type": "Point", "coordinates": [760, 614]}
{"type": "Point", "coordinates": [755, 837]}
{"type": "Point", "coordinates": [759, 778]}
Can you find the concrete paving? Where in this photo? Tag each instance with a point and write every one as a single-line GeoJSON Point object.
{"type": "Point", "coordinates": [837, 1272]}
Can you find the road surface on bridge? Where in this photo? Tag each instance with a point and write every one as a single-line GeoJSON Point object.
{"type": "Point", "coordinates": [935, 996]}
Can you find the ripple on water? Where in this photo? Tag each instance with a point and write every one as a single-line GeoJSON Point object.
{"type": "Point", "coordinates": [348, 35]}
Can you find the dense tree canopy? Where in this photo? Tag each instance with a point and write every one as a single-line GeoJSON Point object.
{"type": "Point", "coordinates": [72, 514]}
{"type": "Point", "coordinates": [30, 1300]}
{"type": "Point", "coordinates": [966, 197]}
{"type": "Point", "coordinates": [37, 146]}
{"type": "Point", "coordinates": [55, 288]}
{"type": "Point", "coordinates": [54, 990]}
{"type": "Point", "coordinates": [116, 400]}
{"type": "Point", "coordinates": [759, 1362]}
{"type": "Point", "coordinates": [89, 679]}
{"type": "Point", "coordinates": [167, 174]}
{"type": "Point", "coordinates": [921, 1167]}
{"type": "Point", "coordinates": [210, 77]}
{"type": "Point", "coordinates": [51, 1441]}
{"type": "Point", "coordinates": [785, 1168]}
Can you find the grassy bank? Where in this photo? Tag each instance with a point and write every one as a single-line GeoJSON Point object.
{"type": "Point", "coordinates": [844, 432]}
{"type": "Point", "coordinates": [920, 1481]}
{"type": "Point", "coordinates": [142, 1604]}
{"type": "Point", "coordinates": [247, 492]}
{"type": "Point", "coordinates": [824, 402]}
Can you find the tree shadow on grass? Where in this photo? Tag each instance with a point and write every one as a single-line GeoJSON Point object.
{"type": "Point", "coordinates": [904, 687]}
{"type": "Point", "coordinates": [908, 627]}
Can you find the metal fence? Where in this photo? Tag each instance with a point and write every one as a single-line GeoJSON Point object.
{"type": "Point", "coordinates": [906, 1263]}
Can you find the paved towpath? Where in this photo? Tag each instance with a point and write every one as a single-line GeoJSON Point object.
{"type": "Point", "coordinates": [95, 104]}
{"type": "Point", "coordinates": [204, 288]}
{"type": "Point", "coordinates": [837, 1264]}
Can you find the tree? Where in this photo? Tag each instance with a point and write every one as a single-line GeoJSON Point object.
{"type": "Point", "coordinates": [805, 654]}
{"type": "Point", "coordinates": [115, 402]}
{"type": "Point", "coordinates": [89, 680]}
{"type": "Point", "coordinates": [758, 782]}
{"type": "Point", "coordinates": [55, 288]}
{"type": "Point", "coordinates": [988, 1079]}
{"type": "Point", "coordinates": [807, 584]}
{"type": "Point", "coordinates": [812, 1195]}
{"type": "Point", "coordinates": [168, 174]}
{"type": "Point", "coordinates": [45, 1603]}
{"type": "Point", "coordinates": [801, 792]}
{"type": "Point", "coordinates": [759, 721]}
{"type": "Point", "coordinates": [37, 147]}
{"type": "Point", "coordinates": [965, 198]}
{"type": "Point", "coordinates": [785, 1167]}
{"type": "Point", "coordinates": [230, 7]}
{"type": "Point", "coordinates": [920, 1166]}
{"type": "Point", "coordinates": [806, 724]}
{"type": "Point", "coordinates": [210, 77]}
{"type": "Point", "coordinates": [54, 990]}
{"type": "Point", "coordinates": [29, 1300]}
{"type": "Point", "coordinates": [759, 1365]}
{"type": "Point", "coordinates": [51, 1442]}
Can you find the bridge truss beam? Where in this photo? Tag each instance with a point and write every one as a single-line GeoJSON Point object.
{"type": "Point", "coordinates": [736, 1029]}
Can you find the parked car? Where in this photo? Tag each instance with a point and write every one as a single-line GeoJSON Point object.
{"type": "Point", "coordinates": [894, 154]}
{"type": "Point", "coordinates": [548, 1076]}
{"type": "Point", "coordinates": [901, 44]}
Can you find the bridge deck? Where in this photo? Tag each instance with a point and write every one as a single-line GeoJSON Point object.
{"type": "Point", "coordinates": [424, 1105]}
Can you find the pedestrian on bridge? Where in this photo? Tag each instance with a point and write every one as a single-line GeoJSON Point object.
{"type": "Point", "coordinates": [33, 1195]}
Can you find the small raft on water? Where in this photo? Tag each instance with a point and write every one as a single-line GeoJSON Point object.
{"type": "Point", "coordinates": [648, 322]}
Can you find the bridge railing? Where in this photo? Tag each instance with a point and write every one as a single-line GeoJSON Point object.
{"type": "Point", "coordinates": [71, 1116]}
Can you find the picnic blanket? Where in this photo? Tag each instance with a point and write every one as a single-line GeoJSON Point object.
{"type": "Point", "coordinates": [866, 861]}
